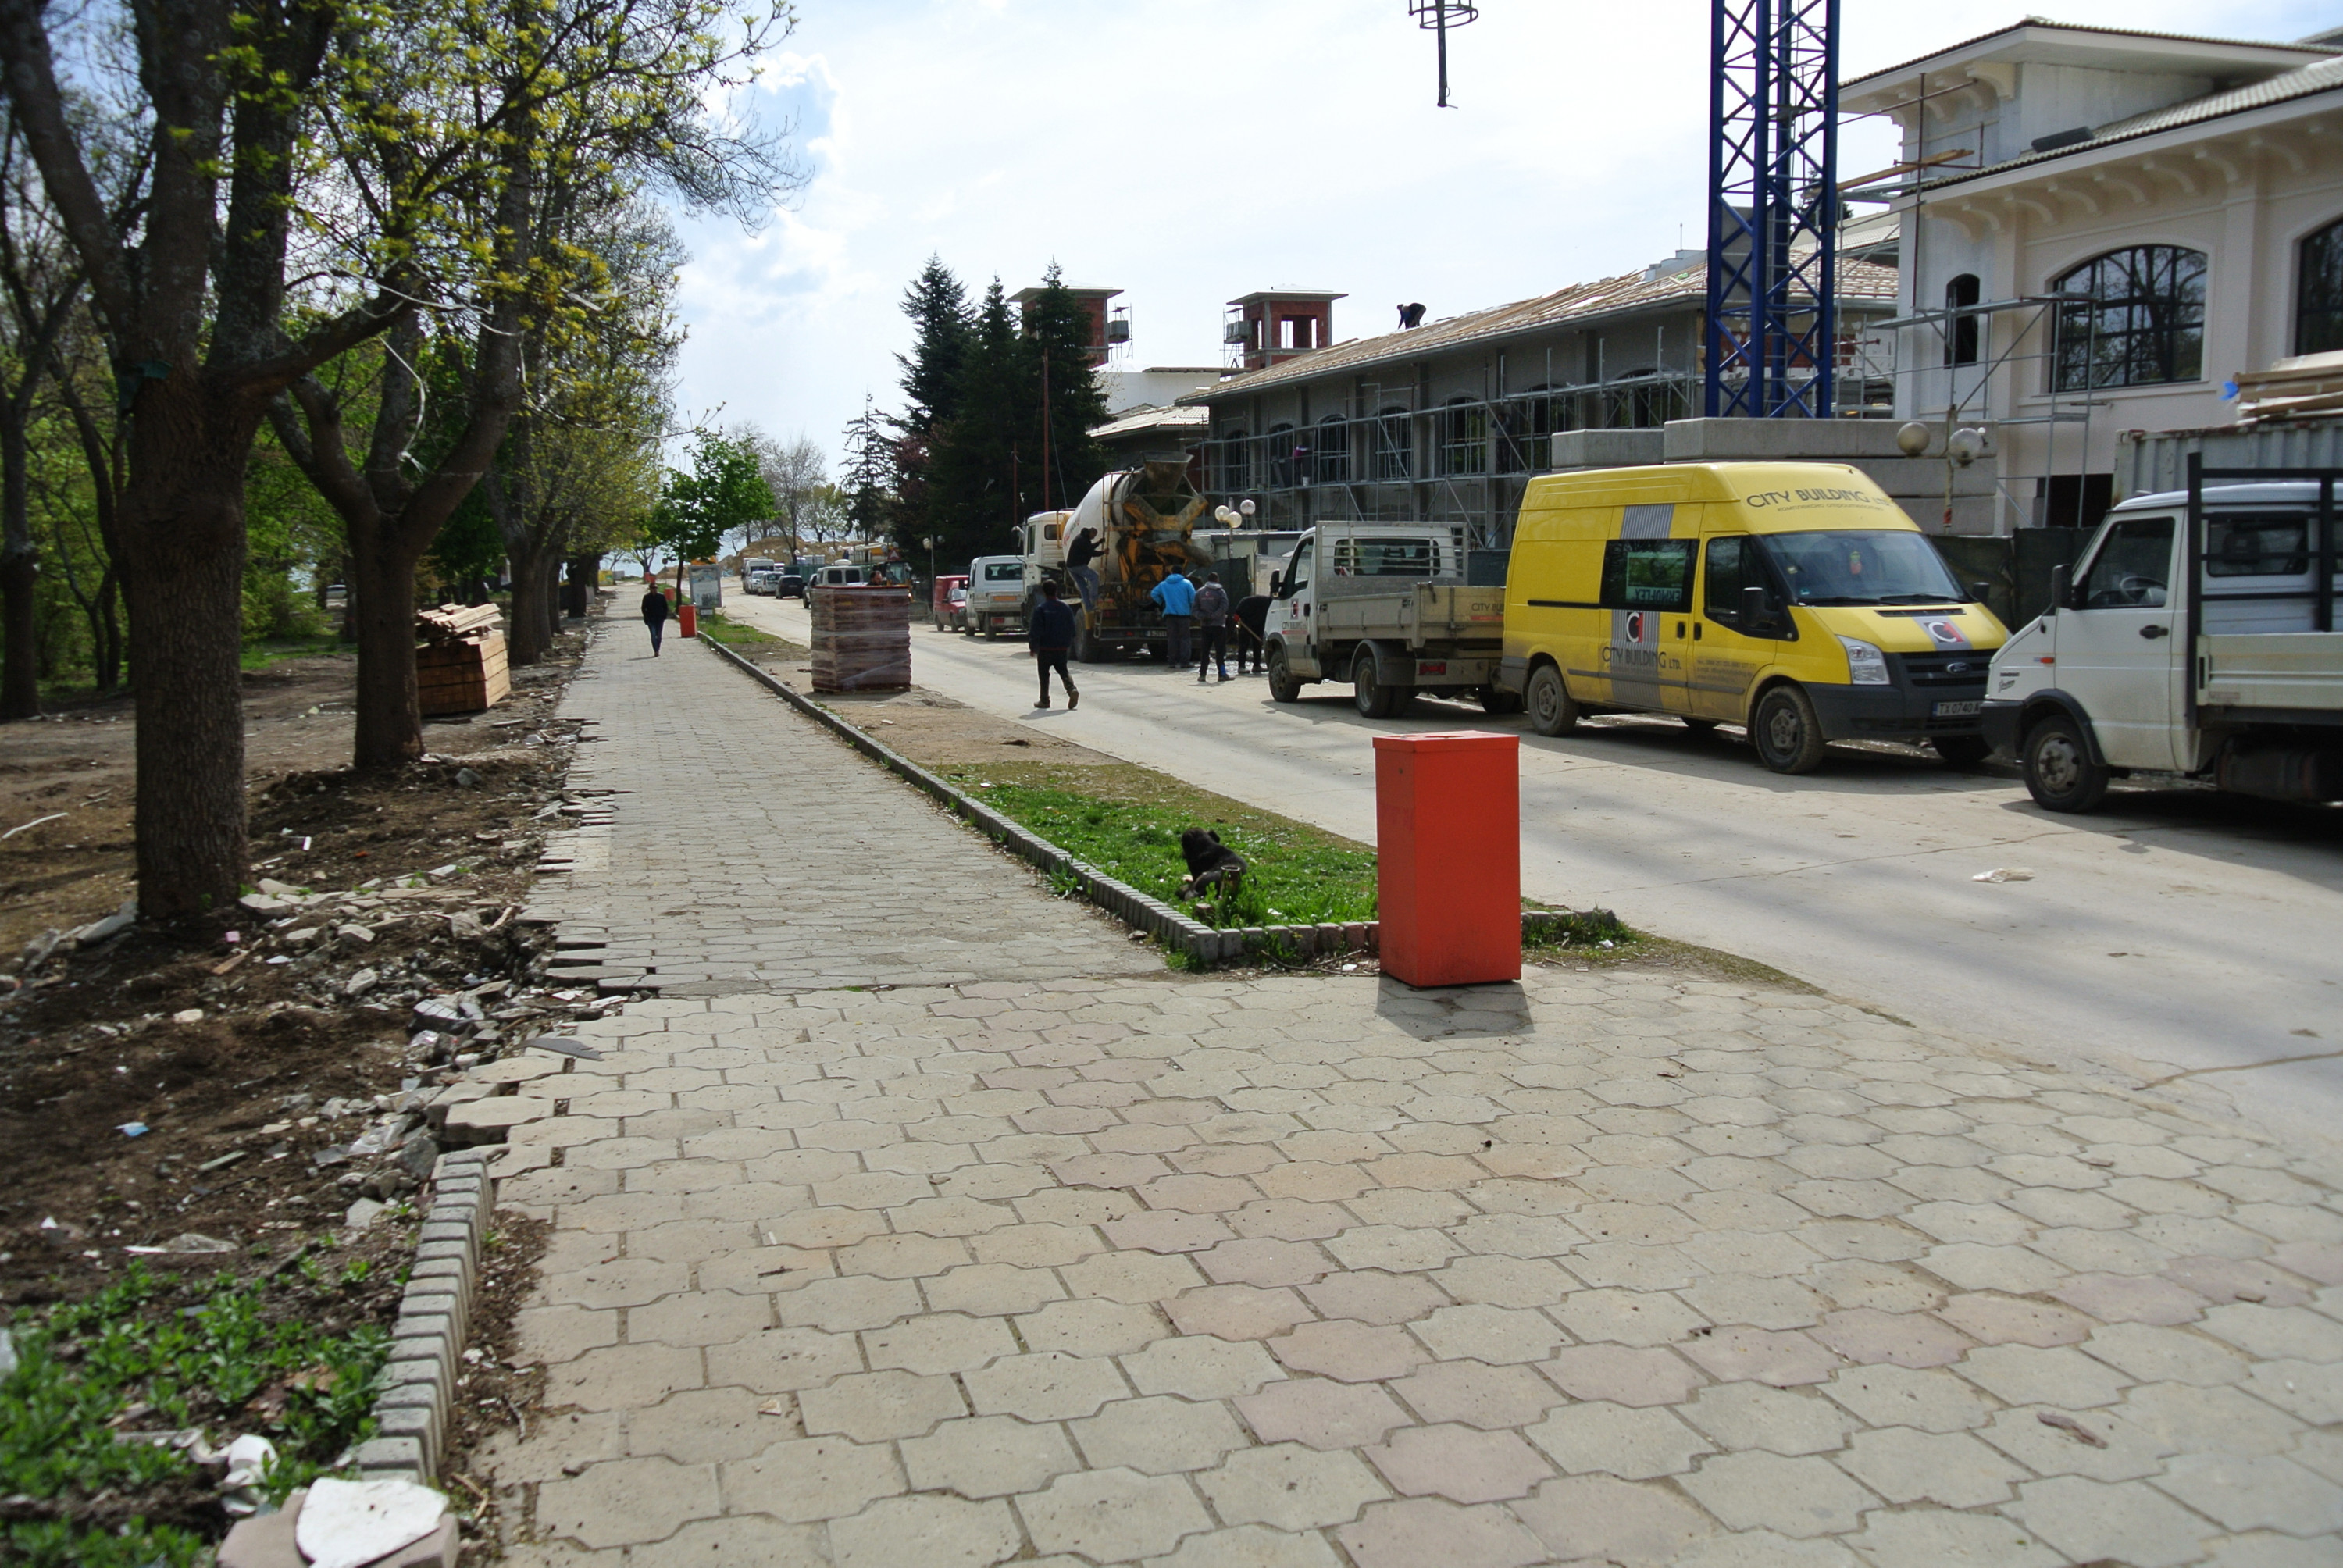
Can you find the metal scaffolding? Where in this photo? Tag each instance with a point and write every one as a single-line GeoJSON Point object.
{"type": "Point", "coordinates": [1773, 213]}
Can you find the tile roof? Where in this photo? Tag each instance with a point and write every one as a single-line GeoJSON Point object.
{"type": "Point", "coordinates": [1147, 416]}
{"type": "Point", "coordinates": [1580, 302]}
{"type": "Point", "coordinates": [2325, 76]}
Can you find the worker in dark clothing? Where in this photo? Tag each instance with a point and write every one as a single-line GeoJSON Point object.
{"type": "Point", "coordinates": [1078, 555]}
{"type": "Point", "coordinates": [1049, 634]}
{"type": "Point", "coordinates": [655, 616]}
{"type": "Point", "coordinates": [1253, 625]}
{"type": "Point", "coordinates": [1211, 612]}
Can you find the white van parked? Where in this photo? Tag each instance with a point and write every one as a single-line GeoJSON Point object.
{"type": "Point", "coordinates": [2194, 642]}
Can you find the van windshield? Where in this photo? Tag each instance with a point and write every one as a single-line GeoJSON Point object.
{"type": "Point", "coordinates": [1872, 566]}
{"type": "Point", "coordinates": [1004, 571]}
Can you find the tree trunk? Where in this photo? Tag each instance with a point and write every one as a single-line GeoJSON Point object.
{"type": "Point", "coordinates": [183, 578]}
{"type": "Point", "coordinates": [584, 571]}
{"type": "Point", "coordinates": [382, 581]}
{"type": "Point", "coordinates": [552, 575]}
{"type": "Point", "coordinates": [20, 685]}
{"type": "Point", "coordinates": [532, 591]}
{"type": "Point", "coordinates": [106, 629]}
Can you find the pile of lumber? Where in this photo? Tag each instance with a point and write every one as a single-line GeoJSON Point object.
{"type": "Point", "coordinates": [459, 662]}
{"type": "Point", "coordinates": [862, 637]}
{"type": "Point", "coordinates": [2307, 387]}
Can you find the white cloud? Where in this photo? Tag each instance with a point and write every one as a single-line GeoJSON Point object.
{"type": "Point", "coordinates": [1188, 151]}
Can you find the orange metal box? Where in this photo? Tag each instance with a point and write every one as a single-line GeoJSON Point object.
{"type": "Point", "coordinates": [1448, 857]}
{"type": "Point", "coordinates": [687, 619]}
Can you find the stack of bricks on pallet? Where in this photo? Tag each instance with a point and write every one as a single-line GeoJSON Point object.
{"type": "Point", "coordinates": [460, 666]}
{"type": "Point", "coordinates": [861, 638]}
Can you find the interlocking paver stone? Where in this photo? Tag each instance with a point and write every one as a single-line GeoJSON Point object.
{"type": "Point", "coordinates": [924, 1218]}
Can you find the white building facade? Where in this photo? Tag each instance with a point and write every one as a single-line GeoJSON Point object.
{"type": "Point", "coordinates": [2100, 229]}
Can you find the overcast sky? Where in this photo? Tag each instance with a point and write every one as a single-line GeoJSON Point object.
{"type": "Point", "coordinates": [1189, 150]}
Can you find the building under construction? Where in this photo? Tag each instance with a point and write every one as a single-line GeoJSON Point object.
{"type": "Point", "coordinates": [1449, 420]}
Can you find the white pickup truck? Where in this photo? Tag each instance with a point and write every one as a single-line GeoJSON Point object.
{"type": "Point", "coordinates": [2194, 642]}
{"type": "Point", "coordinates": [1387, 608]}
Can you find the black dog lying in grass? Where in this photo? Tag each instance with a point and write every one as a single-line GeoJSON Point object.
{"type": "Point", "coordinates": [1210, 863]}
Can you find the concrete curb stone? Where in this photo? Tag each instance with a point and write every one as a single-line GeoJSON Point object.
{"type": "Point", "coordinates": [414, 1404]}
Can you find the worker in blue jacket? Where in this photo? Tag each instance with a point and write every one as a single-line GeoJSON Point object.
{"type": "Point", "coordinates": [1175, 596]}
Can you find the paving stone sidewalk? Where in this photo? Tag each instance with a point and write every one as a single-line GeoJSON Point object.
{"type": "Point", "coordinates": [753, 851]}
{"type": "Point", "coordinates": [1205, 1274]}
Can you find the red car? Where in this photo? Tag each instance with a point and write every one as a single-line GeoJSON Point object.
{"type": "Point", "coordinates": [949, 600]}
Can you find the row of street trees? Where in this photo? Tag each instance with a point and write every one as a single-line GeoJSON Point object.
{"type": "Point", "coordinates": [414, 250]}
{"type": "Point", "coordinates": [998, 408]}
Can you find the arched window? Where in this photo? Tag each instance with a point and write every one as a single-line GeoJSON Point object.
{"type": "Point", "coordinates": [1329, 455]}
{"type": "Point", "coordinates": [1281, 453]}
{"type": "Point", "coordinates": [1961, 332]}
{"type": "Point", "coordinates": [1394, 445]}
{"type": "Point", "coordinates": [1465, 437]}
{"type": "Point", "coordinates": [2131, 317]}
{"type": "Point", "coordinates": [1236, 461]}
{"type": "Point", "coordinates": [2318, 292]}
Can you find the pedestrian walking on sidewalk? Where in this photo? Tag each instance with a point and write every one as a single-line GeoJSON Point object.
{"type": "Point", "coordinates": [655, 616]}
{"type": "Point", "coordinates": [1049, 634]}
{"type": "Point", "coordinates": [1175, 596]}
{"type": "Point", "coordinates": [1212, 627]}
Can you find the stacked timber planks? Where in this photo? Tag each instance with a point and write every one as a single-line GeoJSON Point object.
{"type": "Point", "coordinates": [862, 637]}
{"type": "Point", "coordinates": [459, 664]}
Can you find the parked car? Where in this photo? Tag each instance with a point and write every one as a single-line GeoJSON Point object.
{"type": "Point", "coordinates": [788, 585]}
{"type": "Point", "coordinates": [839, 577]}
{"type": "Point", "coordinates": [947, 599]}
{"type": "Point", "coordinates": [763, 582]}
{"type": "Point", "coordinates": [996, 595]}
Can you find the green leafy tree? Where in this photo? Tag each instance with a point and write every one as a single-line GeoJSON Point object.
{"type": "Point", "coordinates": [310, 175]}
{"type": "Point", "coordinates": [723, 490]}
{"type": "Point", "coordinates": [872, 506]}
{"type": "Point", "coordinates": [1057, 340]}
{"type": "Point", "coordinates": [981, 458]}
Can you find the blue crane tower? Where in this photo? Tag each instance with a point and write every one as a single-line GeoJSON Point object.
{"type": "Point", "coordinates": [1772, 208]}
{"type": "Point", "coordinates": [1772, 335]}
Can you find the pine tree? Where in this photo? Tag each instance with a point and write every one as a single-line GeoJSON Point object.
{"type": "Point", "coordinates": [981, 462]}
{"type": "Point", "coordinates": [1058, 339]}
{"type": "Point", "coordinates": [937, 304]}
{"type": "Point", "coordinates": [872, 508]}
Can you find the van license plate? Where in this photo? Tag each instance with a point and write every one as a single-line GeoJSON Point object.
{"type": "Point", "coordinates": [1955, 710]}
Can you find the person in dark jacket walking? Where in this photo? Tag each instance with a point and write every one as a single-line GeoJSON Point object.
{"type": "Point", "coordinates": [1049, 634]}
{"type": "Point", "coordinates": [655, 616]}
{"type": "Point", "coordinates": [1212, 627]}
{"type": "Point", "coordinates": [1253, 631]}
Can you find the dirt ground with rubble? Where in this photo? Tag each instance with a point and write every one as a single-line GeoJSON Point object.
{"type": "Point", "coordinates": [158, 1086]}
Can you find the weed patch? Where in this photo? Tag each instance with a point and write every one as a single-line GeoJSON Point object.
{"type": "Point", "coordinates": [1297, 875]}
{"type": "Point", "coordinates": [152, 1354]}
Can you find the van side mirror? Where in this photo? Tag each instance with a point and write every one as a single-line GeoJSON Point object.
{"type": "Point", "coordinates": [2061, 588]}
{"type": "Point", "coordinates": [1754, 621]}
{"type": "Point", "coordinates": [1277, 584]}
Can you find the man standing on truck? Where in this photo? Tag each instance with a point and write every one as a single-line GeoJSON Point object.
{"type": "Point", "coordinates": [1079, 553]}
{"type": "Point", "coordinates": [1049, 634]}
{"type": "Point", "coordinates": [1175, 596]}
{"type": "Point", "coordinates": [655, 616]}
{"type": "Point", "coordinates": [1212, 627]}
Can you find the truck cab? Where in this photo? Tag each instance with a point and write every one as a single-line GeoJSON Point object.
{"type": "Point", "coordinates": [2193, 641]}
{"type": "Point", "coordinates": [1387, 606]}
{"type": "Point", "coordinates": [996, 595]}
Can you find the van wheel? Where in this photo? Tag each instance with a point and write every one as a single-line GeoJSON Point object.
{"type": "Point", "coordinates": [2059, 772]}
{"type": "Point", "coordinates": [1962, 750]}
{"type": "Point", "coordinates": [1787, 731]}
{"type": "Point", "coordinates": [1373, 698]}
{"type": "Point", "coordinates": [1282, 686]}
{"type": "Point", "coordinates": [1552, 710]}
{"type": "Point", "coordinates": [1496, 701]}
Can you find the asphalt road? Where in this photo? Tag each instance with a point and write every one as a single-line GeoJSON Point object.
{"type": "Point", "coordinates": [2172, 933]}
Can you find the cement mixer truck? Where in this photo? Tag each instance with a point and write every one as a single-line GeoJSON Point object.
{"type": "Point", "coordinates": [1145, 519]}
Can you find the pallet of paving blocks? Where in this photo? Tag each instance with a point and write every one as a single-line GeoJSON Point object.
{"type": "Point", "coordinates": [861, 638]}
{"type": "Point", "coordinates": [459, 662]}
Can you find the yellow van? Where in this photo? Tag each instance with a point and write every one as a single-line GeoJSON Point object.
{"type": "Point", "coordinates": [1792, 597]}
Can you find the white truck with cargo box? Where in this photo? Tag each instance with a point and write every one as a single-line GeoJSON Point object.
{"type": "Point", "coordinates": [2194, 643]}
{"type": "Point", "coordinates": [1388, 608]}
